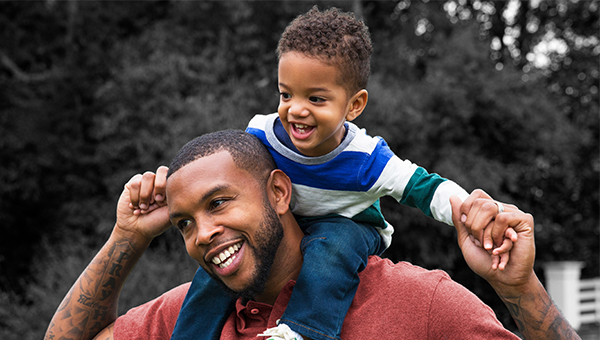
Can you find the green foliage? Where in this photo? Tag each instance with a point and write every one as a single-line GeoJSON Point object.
{"type": "Point", "coordinates": [93, 92]}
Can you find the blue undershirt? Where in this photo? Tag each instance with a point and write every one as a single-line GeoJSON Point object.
{"type": "Point", "coordinates": [285, 139]}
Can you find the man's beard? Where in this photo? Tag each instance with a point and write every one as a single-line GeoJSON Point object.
{"type": "Point", "coordinates": [268, 237]}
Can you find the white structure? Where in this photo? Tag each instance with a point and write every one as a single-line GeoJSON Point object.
{"type": "Point", "coordinates": [579, 300]}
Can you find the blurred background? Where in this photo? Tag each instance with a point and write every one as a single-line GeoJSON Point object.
{"type": "Point", "coordinates": [498, 95]}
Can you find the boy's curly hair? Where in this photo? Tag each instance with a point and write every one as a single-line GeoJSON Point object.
{"type": "Point", "coordinates": [338, 38]}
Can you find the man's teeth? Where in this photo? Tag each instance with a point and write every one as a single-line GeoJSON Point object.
{"type": "Point", "coordinates": [226, 257]}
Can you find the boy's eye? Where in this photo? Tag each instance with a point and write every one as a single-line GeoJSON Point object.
{"type": "Point", "coordinates": [285, 95]}
{"type": "Point", "coordinates": [316, 99]}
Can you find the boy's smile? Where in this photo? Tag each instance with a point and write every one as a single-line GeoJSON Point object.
{"type": "Point", "coordinates": [313, 105]}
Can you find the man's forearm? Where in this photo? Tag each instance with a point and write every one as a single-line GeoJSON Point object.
{"type": "Point", "coordinates": [537, 316]}
{"type": "Point", "coordinates": [91, 304]}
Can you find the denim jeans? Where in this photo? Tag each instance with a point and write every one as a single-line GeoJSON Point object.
{"type": "Point", "coordinates": [204, 310]}
{"type": "Point", "coordinates": [335, 250]}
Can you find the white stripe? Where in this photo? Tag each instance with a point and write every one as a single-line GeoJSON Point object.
{"type": "Point", "coordinates": [258, 122]}
{"type": "Point", "coordinates": [309, 201]}
{"type": "Point", "coordinates": [440, 204]}
{"type": "Point", "coordinates": [362, 142]}
{"type": "Point", "coordinates": [386, 234]}
{"type": "Point", "coordinates": [394, 178]}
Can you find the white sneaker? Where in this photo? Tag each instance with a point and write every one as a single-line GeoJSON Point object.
{"type": "Point", "coordinates": [281, 332]}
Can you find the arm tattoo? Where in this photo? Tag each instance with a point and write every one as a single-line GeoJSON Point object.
{"type": "Point", "coordinates": [92, 302]}
{"type": "Point", "coordinates": [544, 321]}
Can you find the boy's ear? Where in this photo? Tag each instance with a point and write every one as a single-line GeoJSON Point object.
{"type": "Point", "coordinates": [358, 102]}
{"type": "Point", "coordinates": [280, 189]}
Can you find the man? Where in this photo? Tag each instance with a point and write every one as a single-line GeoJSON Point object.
{"type": "Point", "coordinates": [226, 198]}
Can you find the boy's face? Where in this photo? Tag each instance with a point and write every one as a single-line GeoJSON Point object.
{"type": "Point", "coordinates": [313, 106]}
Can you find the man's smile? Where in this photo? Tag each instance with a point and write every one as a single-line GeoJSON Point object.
{"type": "Point", "coordinates": [224, 260]}
{"type": "Point", "coordinates": [226, 257]}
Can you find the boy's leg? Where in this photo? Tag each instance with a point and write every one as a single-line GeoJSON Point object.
{"type": "Point", "coordinates": [204, 310]}
{"type": "Point", "coordinates": [335, 249]}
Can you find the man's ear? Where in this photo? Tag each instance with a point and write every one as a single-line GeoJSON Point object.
{"type": "Point", "coordinates": [358, 102]}
{"type": "Point", "coordinates": [280, 190]}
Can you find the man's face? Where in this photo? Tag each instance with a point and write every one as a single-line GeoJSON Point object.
{"type": "Point", "coordinates": [226, 221]}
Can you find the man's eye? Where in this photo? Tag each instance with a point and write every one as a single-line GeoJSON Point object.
{"type": "Point", "coordinates": [181, 225]}
{"type": "Point", "coordinates": [217, 203]}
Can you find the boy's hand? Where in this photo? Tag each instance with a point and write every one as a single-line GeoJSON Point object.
{"type": "Point", "coordinates": [490, 238]}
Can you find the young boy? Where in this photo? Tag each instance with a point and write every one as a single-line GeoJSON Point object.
{"type": "Point", "coordinates": [338, 174]}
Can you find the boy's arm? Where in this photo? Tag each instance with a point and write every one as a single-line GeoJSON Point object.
{"type": "Point", "coordinates": [517, 285]}
{"type": "Point", "coordinates": [413, 186]}
{"type": "Point", "coordinates": [91, 304]}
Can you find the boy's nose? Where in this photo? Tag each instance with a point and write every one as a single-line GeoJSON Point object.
{"type": "Point", "coordinates": [298, 109]}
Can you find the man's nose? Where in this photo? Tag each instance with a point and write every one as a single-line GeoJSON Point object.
{"type": "Point", "coordinates": [207, 231]}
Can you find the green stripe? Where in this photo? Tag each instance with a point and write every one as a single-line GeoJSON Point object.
{"type": "Point", "coordinates": [420, 189]}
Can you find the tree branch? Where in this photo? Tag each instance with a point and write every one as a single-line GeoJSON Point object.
{"type": "Point", "coordinates": [20, 75]}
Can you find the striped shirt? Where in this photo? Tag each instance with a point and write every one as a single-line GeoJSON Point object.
{"type": "Point", "coordinates": [350, 180]}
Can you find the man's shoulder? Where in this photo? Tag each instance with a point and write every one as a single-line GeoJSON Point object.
{"type": "Point", "coordinates": [402, 298]}
{"type": "Point", "coordinates": [154, 319]}
{"type": "Point", "coordinates": [384, 271]}
{"type": "Point", "coordinates": [397, 297]}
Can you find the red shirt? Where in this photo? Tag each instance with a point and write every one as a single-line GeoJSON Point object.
{"type": "Point", "coordinates": [393, 301]}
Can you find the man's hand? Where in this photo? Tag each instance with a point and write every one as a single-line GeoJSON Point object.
{"type": "Point", "coordinates": [520, 269]}
{"type": "Point", "coordinates": [497, 239]}
{"type": "Point", "coordinates": [142, 207]}
{"type": "Point", "coordinates": [517, 285]}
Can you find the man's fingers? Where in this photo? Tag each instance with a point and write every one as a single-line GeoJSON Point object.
{"type": "Point", "coordinates": [455, 203]}
{"type": "Point", "coordinates": [133, 186]}
{"type": "Point", "coordinates": [488, 242]}
{"type": "Point", "coordinates": [146, 189]}
{"type": "Point", "coordinates": [160, 183]}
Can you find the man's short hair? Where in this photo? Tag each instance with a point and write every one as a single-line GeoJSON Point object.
{"type": "Point", "coordinates": [337, 38]}
{"type": "Point", "coordinates": [247, 151]}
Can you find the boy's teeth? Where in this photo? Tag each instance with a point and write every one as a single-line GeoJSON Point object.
{"type": "Point", "coordinates": [301, 128]}
{"type": "Point", "coordinates": [225, 258]}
